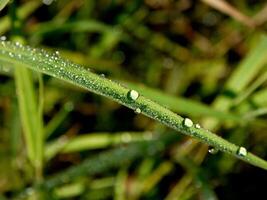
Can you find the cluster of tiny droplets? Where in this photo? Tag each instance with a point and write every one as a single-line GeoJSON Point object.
{"type": "Point", "coordinates": [52, 64]}
{"type": "Point", "coordinates": [47, 61]}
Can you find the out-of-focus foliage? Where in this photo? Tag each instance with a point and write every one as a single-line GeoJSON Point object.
{"type": "Point", "coordinates": [203, 59]}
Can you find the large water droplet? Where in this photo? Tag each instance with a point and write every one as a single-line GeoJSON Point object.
{"type": "Point", "coordinates": [242, 151]}
{"type": "Point", "coordinates": [137, 110]}
{"type": "Point", "coordinates": [133, 95]}
{"type": "Point", "coordinates": [188, 122]}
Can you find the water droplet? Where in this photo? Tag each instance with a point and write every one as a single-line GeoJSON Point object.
{"type": "Point", "coordinates": [197, 126]}
{"type": "Point", "coordinates": [137, 110]}
{"type": "Point", "coordinates": [47, 2]}
{"type": "Point", "coordinates": [57, 53]}
{"type": "Point", "coordinates": [10, 54]}
{"type": "Point", "coordinates": [18, 44]}
{"type": "Point", "coordinates": [242, 151]}
{"type": "Point", "coordinates": [213, 150]}
{"type": "Point", "coordinates": [3, 38]}
{"type": "Point", "coordinates": [102, 75]}
{"type": "Point", "coordinates": [188, 122]}
{"type": "Point", "coordinates": [133, 95]}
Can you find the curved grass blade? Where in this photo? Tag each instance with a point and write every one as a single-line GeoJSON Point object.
{"type": "Point", "coordinates": [53, 65]}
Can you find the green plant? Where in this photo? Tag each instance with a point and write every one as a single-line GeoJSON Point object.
{"type": "Point", "coordinates": [54, 65]}
{"type": "Point", "coordinates": [203, 60]}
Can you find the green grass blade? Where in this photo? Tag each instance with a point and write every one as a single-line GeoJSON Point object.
{"type": "Point", "coordinates": [92, 141]}
{"type": "Point", "coordinates": [29, 116]}
{"type": "Point", "coordinates": [246, 93]}
{"type": "Point", "coordinates": [53, 65]}
{"type": "Point", "coordinates": [117, 157]}
{"type": "Point", "coordinates": [3, 3]}
{"type": "Point", "coordinates": [241, 77]}
{"type": "Point", "coordinates": [23, 12]}
{"type": "Point", "coordinates": [76, 27]}
{"type": "Point", "coordinates": [249, 67]}
{"type": "Point", "coordinates": [260, 98]}
{"type": "Point", "coordinates": [58, 119]}
{"type": "Point", "coordinates": [27, 108]}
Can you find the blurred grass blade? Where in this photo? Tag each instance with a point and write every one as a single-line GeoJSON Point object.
{"type": "Point", "coordinates": [3, 3]}
{"type": "Point", "coordinates": [228, 9]}
{"type": "Point", "coordinates": [40, 30]}
{"type": "Point", "coordinates": [246, 93]}
{"type": "Point", "coordinates": [117, 157]}
{"type": "Point", "coordinates": [58, 119]}
{"type": "Point", "coordinates": [156, 176]}
{"type": "Point", "coordinates": [241, 77]}
{"type": "Point", "coordinates": [23, 12]}
{"type": "Point", "coordinates": [249, 67]}
{"type": "Point", "coordinates": [92, 141]}
{"type": "Point", "coordinates": [27, 108]}
{"type": "Point", "coordinates": [70, 190]}
{"type": "Point", "coordinates": [260, 98]}
{"type": "Point", "coordinates": [120, 185]}
{"type": "Point", "coordinates": [31, 122]}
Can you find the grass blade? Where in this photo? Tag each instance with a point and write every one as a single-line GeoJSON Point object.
{"type": "Point", "coordinates": [53, 65]}
{"type": "Point", "coordinates": [3, 3]}
{"type": "Point", "coordinates": [30, 117]}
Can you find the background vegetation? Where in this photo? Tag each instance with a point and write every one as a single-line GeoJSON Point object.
{"type": "Point", "coordinates": [205, 60]}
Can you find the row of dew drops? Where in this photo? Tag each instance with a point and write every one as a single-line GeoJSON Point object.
{"type": "Point", "coordinates": [132, 94]}
{"type": "Point", "coordinates": [242, 151]}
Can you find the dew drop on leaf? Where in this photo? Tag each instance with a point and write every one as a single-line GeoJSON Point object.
{"type": "Point", "coordinates": [197, 126]}
{"type": "Point", "coordinates": [242, 151]}
{"type": "Point", "coordinates": [188, 122]}
{"type": "Point", "coordinates": [133, 95]}
{"type": "Point", "coordinates": [137, 110]}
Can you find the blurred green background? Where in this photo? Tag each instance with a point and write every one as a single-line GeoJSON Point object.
{"type": "Point", "coordinates": [206, 60]}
